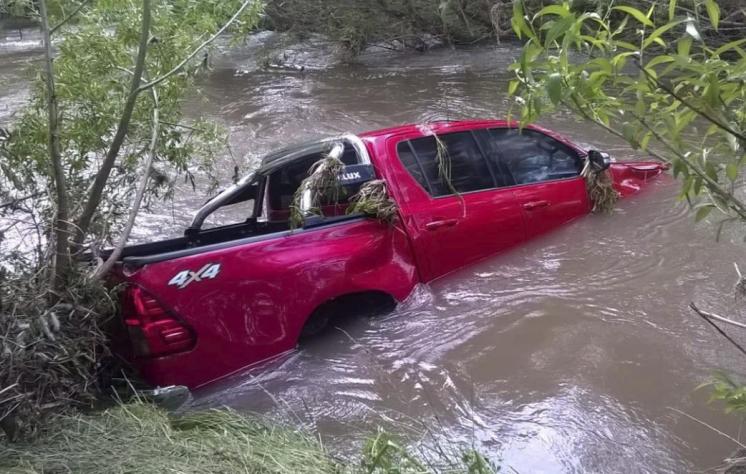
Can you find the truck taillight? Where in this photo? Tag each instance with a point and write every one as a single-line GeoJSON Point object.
{"type": "Point", "coordinates": [153, 330]}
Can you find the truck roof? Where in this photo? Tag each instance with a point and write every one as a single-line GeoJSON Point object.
{"type": "Point", "coordinates": [437, 126]}
{"type": "Point", "coordinates": [288, 153]}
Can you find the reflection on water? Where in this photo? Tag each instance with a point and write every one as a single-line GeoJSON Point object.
{"type": "Point", "coordinates": [563, 355]}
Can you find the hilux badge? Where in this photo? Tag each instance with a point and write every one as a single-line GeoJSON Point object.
{"type": "Point", "coordinates": [184, 278]}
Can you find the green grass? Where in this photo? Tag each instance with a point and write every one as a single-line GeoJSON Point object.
{"type": "Point", "coordinates": [140, 438]}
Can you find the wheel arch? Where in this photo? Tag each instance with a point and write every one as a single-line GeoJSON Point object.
{"type": "Point", "coordinates": [351, 304]}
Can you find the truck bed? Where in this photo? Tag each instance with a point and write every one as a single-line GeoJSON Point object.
{"type": "Point", "coordinates": [216, 238]}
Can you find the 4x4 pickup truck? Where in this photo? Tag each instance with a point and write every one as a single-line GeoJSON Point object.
{"type": "Point", "coordinates": [219, 300]}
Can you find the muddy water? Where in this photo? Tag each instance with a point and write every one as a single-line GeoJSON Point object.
{"type": "Point", "coordinates": [567, 354]}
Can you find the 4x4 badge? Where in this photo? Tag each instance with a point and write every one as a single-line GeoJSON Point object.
{"type": "Point", "coordinates": [184, 278]}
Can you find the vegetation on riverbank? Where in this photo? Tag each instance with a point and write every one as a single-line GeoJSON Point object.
{"type": "Point", "coordinates": [102, 134]}
{"type": "Point", "coordinates": [141, 438]}
{"type": "Point", "coordinates": [670, 92]}
{"type": "Point", "coordinates": [420, 24]}
{"type": "Point", "coordinates": [415, 24]}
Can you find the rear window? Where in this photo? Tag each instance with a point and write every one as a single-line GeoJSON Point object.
{"type": "Point", "coordinates": [451, 163]}
{"type": "Point", "coordinates": [284, 182]}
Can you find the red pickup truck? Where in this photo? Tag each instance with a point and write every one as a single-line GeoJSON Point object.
{"type": "Point", "coordinates": [223, 299]}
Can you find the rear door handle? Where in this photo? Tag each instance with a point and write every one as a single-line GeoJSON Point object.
{"type": "Point", "coordinates": [435, 225]}
{"type": "Point", "coordinates": [530, 206]}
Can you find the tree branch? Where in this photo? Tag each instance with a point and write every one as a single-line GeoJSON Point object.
{"type": "Point", "coordinates": [708, 426]}
{"type": "Point", "coordinates": [688, 105]}
{"type": "Point", "coordinates": [587, 116]}
{"type": "Point", "coordinates": [14, 201]}
{"type": "Point", "coordinates": [69, 17]}
{"type": "Point", "coordinates": [61, 263]}
{"type": "Point", "coordinates": [199, 48]}
{"type": "Point", "coordinates": [94, 198]}
{"type": "Point", "coordinates": [104, 268]}
{"type": "Point", "coordinates": [706, 316]}
{"type": "Point", "coordinates": [136, 88]}
{"type": "Point", "coordinates": [719, 318]}
{"type": "Point", "coordinates": [734, 203]}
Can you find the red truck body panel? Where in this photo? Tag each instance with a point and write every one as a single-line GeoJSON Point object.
{"type": "Point", "coordinates": [267, 288]}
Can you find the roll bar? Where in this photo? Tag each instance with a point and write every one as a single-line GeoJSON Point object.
{"type": "Point", "coordinates": [306, 197]}
{"type": "Point", "coordinates": [231, 192]}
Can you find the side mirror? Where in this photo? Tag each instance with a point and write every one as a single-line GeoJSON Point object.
{"type": "Point", "coordinates": [599, 160]}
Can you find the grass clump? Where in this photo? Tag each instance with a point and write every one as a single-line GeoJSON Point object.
{"type": "Point", "coordinates": [600, 188]}
{"type": "Point", "coordinates": [385, 454]}
{"type": "Point", "coordinates": [53, 349]}
{"type": "Point", "coordinates": [321, 187]}
{"type": "Point", "coordinates": [144, 439]}
{"type": "Point", "coordinates": [373, 200]}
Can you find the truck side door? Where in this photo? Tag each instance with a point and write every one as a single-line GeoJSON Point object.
{"type": "Point", "coordinates": [545, 174]}
{"type": "Point", "coordinates": [454, 206]}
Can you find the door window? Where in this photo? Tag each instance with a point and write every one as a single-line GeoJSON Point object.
{"type": "Point", "coordinates": [531, 156]}
{"type": "Point", "coordinates": [449, 164]}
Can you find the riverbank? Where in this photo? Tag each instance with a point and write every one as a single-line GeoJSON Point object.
{"type": "Point", "coordinates": [141, 438]}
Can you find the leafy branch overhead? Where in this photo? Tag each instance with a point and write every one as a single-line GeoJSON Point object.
{"type": "Point", "coordinates": [674, 88]}
{"type": "Point", "coordinates": [104, 122]}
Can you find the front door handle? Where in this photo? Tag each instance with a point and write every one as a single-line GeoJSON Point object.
{"type": "Point", "coordinates": [435, 225]}
{"type": "Point", "coordinates": [530, 206]}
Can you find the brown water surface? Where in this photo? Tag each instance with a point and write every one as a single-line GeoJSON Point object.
{"type": "Point", "coordinates": [565, 355]}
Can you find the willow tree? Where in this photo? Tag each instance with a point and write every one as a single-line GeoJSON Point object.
{"type": "Point", "coordinates": [669, 81]}
{"type": "Point", "coordinates": [663, 79]}
{"type": "Point", "coordinates": [102, 131]}
{"type": "Point", "coordinates": [106, 109]}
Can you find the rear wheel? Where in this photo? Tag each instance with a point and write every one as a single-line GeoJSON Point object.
{"type": "Point", "coordinates": [358, 304]}
{"type": "Point", "coordinates": [316, 324]}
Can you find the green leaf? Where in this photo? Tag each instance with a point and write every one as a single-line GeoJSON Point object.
{"type": "Point", "coordinates": [518, 21]}
{"type": "Point", "coordinates": [679, 168]}
{"type": "Point", "coordinates": [731, 170]}
{"type": "Point", "coordinates": [703, 211]}
{"type": "Point", "coordinates": [712, 92]}
{"type": "Point", "coordinates": [626, 45]}
{"type": "Point", "coordinates": [684, 46]}
{"type": "Point", "coordinates": [729, 46]}
{"type": "Point", "coordinates": [636, 14]}
{"type": "Point", "coordinates": [655, 36]}
{"type": "Point", "coordinates": [659, 60]}
{"type": "Point", "coordinates": [645, 140]}
{"type": "Point", "coordinates": [697, 185]}
{"type": "Point", "coordinates": [554, 88]}
{"type": "Point", "coordinates": [687, 186]}
{"type": "Point", "coordinates": [560, 10]}
{"type": "Point", "coordinates": [513, 87]}
{"type": "Point", "coordinates": [671, 9]}
{"type": "Point", "coordinates": [559, 29]}
{"type": "Point", "coordinates": [713, 11]}
{"type": "Point", "coordinates": [629, 131]}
